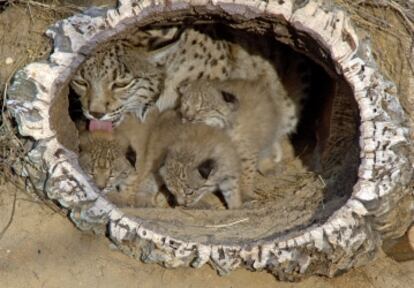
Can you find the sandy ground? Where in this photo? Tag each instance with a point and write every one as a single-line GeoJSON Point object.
{"type": "Point", "coordinates": [42, 248]}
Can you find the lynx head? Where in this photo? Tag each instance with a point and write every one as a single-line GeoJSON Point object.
{"type": "Point", "coordinates": [188, 175]}
{"type": "Point", "coordinates": [202, 101]}
{"type": "Point", "coordinates": [115, 80]}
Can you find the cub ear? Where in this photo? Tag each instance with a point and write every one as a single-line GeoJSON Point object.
{"type": "Point", "coordinates": [206, 167]}
{"type": "Point", "coordinates": [163, 172]}
{"type": "Point", "coordinates": [231, 99]}
{"type": "Point", "coordinates": [183, 87]}
{"type": "Point", "coordinates": [131, 156]}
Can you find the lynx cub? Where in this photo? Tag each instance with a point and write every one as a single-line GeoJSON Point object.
{"type": "Point", "coordinates": [104, 160]}
{"type": "Point", "coordinates": [245, 110]}
{"type": "Point", "coordinates": [103, 154]}
{"type": "Point", "coordinates": [191, 160]}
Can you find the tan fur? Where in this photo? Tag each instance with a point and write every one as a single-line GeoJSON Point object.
{"type": "Point", "coordinates": [104, 159]}
{"type": "Point", "coordinates": [174, 152]}
{"type": "Point", "coordinates": [134, 133]}
{"type": "Point", "coordinates": [103, 154]}
{"type": "Point", "coordinates": [245, 109]}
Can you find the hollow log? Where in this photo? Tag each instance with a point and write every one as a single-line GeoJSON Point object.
{"type": "Point", "coordinates": [379, 204]}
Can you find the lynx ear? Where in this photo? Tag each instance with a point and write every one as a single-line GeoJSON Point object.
{"type": "Point", "coordinates": [131, 156]}
{"type": "Point", "coordinates": [231, 99]}
{"type": "Point", "coordinates": [160, 56]}
{"type": "Point", "coordinates": [137, 62]}
{"type": "Point", "coordinates": [163, 172]}
{"type": "Point", "coordinates": [169, 35]}
{"type": "Point", "coordinates": [206, 167]}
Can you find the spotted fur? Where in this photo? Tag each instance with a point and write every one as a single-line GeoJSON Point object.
{"type": "Point", "coordinates": [203, 55]}
{"type": "Point", "coordinates": [119, 78]}
{"type": "Point", "coordinates": [196, 55]}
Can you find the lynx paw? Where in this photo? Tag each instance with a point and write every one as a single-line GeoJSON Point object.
{"type": "Point", "coordinates": [277, 152]}
{"type": "Point", "coordinates": [167, 100]}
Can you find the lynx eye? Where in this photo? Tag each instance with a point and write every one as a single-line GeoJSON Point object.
{"type": "Point", "coordinates": [228, 97]}
{"type": "Point", "coordinates": [189, 192]}
{"type": "Point", "coordinates": [206, 167]}
{"type": "Point", "coordinates": [80, 82]}
{"type": "Point", "coordinates": [120, 85]}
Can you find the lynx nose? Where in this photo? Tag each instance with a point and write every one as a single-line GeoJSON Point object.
{"type": "Point", "coordinates": [97, 115]}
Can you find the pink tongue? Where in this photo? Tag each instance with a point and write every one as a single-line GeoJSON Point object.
{"type": "Point", "coordinates": [97, 125]}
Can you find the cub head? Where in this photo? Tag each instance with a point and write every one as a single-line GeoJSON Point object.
{"type": "Point", "coordinates": [101, 158]}
{"type": "Point", "coordinates": [188, 177]}
{"type": "Point", "coordinates": [202, 102]}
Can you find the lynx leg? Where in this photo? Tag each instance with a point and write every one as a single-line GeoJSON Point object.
{"type": "Point", "coordinates": [248, 171]}
{"type": "Point", "coordinates": [146, 195]}
{"type": "Point", "coordinates": [122, 199]}
{"type": "Point", "coordinates": [247, 179]}
{"type": "Point", "coordinates": [231, 192]}
{"type": "Point", "coordinates": [168, 98]}
{"type": "Point", "coordinates": [127, 190]}
{"type": "Point", "coordinates": [277, 151]}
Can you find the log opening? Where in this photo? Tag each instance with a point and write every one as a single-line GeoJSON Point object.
{"type": "Point", "coordinates": [356, 96]}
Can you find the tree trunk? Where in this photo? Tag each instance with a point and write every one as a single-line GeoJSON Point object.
{"type": "Point", "coordinates": [373, 81]}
